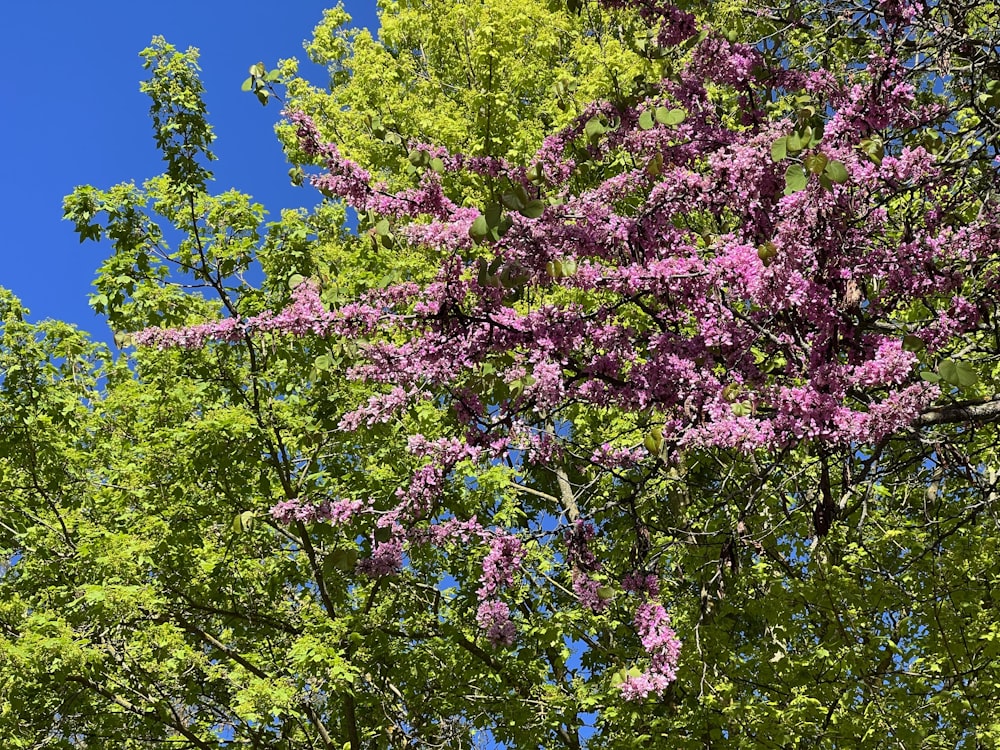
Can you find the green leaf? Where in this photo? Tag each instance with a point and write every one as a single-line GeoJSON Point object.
{"type": "Point", "coordinates": [674, 116]}
{"type": "Point", "coordinates": [343, 560]}
{"type": "Point", "coordinates": [646, 120]}
{"type": "Point", "coordinates": [742, 409]}
{"type": "Point", "coordinates": [594, 128]}
{"type": "Point", "coordinates": [533, 209]}
{"type": "Point", "coordinates": [779, 149]}
{"type": "Point", "coordinates": [521, 193]}
{"type": "Point", "coordinates": [482, 273]}
{"type": "Point", "coordinates": [479, 228]}
{"type": "Point", "coordinates": [959, 374]}
{"type": "Point", "coordinates": [511, 201]}
{"type": "Point", "coordinates": [874, 148]}
{"type": "Point", "coordinates": [295, 279]}
{"type": "Point", "coordinates": [837, 172]}
{"type": "Point", "coordinates": [767, 252]}
{"type": "Point", "coordinates": [816, 163]}
{"type": "Point", "coordinates": [243, 521]}
{"type": "Point", "coordinates": [796, 179]}
{"type": "Point", "coordinates": [932, 141]}
{"type": "Point", "coordinates": [653, 441]}
{"type": "Point", "coordinates": [247, 85]}
{"type": "Point", "coordinates": [492, 214]}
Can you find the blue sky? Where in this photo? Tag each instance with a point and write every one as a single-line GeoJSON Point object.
{"type": "Point", "coordinates": [71, 114]}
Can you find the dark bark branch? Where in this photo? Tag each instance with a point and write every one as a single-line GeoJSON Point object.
{"type": "Point", "coordinates": [318, 725]}
{"type": "Point", "coordinates": [253, 669]}
{"type": "Point", "coordinates": [317, 570]}
{"type": "Point", "coordinates": [219, 645]}
{"type": "Point", "coordinates": [254, 618]}
{"type": "Point", "coordinates": [966, 411]}
{"type": "Point", "coordinates": [351, 721]}
{"type": "Point", "coordinates": [152, 715]}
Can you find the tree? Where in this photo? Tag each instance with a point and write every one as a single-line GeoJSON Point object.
{"type": "Point", "coordinates": [722, 346]}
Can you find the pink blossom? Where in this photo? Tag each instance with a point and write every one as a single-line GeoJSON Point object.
{"type": "Point", "coordinates": [500, 564]}
{"type": "Point", "coordinates": [337, 512]}
{"type": "Point", "coordinates": [493, 616]}
{"type": "Point", "coordinates": [587, 592]}
{"type": "Point", "coordinates": [386, 559]}
{"type": "Point", "coordinates": [663, 649]}
{"type": "Point", "coordinates": [642, 583]}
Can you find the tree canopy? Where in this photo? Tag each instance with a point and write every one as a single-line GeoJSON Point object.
{"type": "Point", "coordinates": [633, 383]}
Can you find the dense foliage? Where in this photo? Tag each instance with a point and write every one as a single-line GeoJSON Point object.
{"type": "Point", "coordinates": [634, 384]}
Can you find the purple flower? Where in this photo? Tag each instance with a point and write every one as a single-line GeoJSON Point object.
{"type": "Point", "coordinates": [663, 649]}
{"type": "Point", "coordinates": [493, 616]}
{"type": "Point", "coordinates": [386, 559]}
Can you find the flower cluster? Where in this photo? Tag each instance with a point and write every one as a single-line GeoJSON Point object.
{"type": "Point", "coordinates": [493, 616]}
{"type": "Point", "coordinates": [584, 563]}
{"type": "Point", "coordinates": [386, 559]}
{"type": "Point", "coordinates": [306, 314]}
{"type": "Point", "coordinates": [501, 564]}
{"type": "Point", "coordinates": [337, 512]}
{"type": "Point", "coordinates": [663, 649]}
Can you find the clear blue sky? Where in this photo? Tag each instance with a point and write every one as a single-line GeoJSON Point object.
{"type": "Point", "coordinates": [71, 114]}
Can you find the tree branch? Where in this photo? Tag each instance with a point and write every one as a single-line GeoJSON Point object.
{"type": "Point", "coordinates": [130, 707]}
{"type": "Point", "coordinates": [965, 411]}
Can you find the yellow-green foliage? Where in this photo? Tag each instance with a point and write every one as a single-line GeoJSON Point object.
{"type": "Point", "coordinates": [477, 78]}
